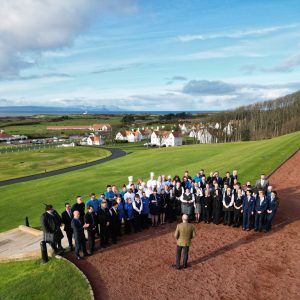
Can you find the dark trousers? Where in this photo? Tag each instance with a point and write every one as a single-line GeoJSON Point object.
{"type": "Point", "coordinates": [216, 215]}
{"type": "Point", "coordinates": [128, 226]}
{"type": "Point", "coordinates": [259, 221]}
{"type": "Point", "coordinates": [185, 255]}
{"type": "Point", "coordinates": [237, 216]}
{"type": "Point", "coordinates": [80, 245]}
{"type": "Point", "coordinates": [246, 220]}
{"type": "Point", "coordinates": [227, 217]}
{"type": "Point", "coordinates": [137, 222]}
{"type": "Point", "coordinates": [269, 220]}
{"type": "Point", "coordinates": [69, 234]}
{"type": "Point", "coordinates": [206, 214]}
{"type": "Point", "coordinates": [103, 235]}
{"type": "Point", "coordinates": [114, 231]}
{"type": "Point", "coordinates": [91, 239]}
{"type": "Point", "coordinates": [145, 221]}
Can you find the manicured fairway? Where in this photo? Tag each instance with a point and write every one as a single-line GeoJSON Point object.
{"type": "Point", "coordinates": [31, 280]}
{"type": "Point", "coordinates": [250, 158]}
{"type": "Point", "coordinates": [23, 163]}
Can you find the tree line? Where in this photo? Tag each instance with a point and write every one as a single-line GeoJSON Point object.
{"type": "Point", "coordinates": [261, 120]}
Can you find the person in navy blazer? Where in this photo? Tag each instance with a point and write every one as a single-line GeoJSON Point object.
{"type": "Point", "coordinates": [248, 209]}
{"type": "Point", "coordinates": [261, 205]}
{"type": "Point", "coordinates": [67, 217]}
{"type": "Point", "coordinates": [273, 204]}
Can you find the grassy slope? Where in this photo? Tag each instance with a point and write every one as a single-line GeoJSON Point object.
{"type": "Point", "coordinates": [24, 163]}
{"type": "Point", "coordinates": [31, 280]}
{"type": "Point", "coordinates": [250, 158]}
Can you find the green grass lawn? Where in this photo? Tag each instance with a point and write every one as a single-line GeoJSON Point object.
{"type": "Point", "coordinates": [250, 158]}
{"type": "Point", "coordinates": [30, 280]}
{"type": "Point", "coordinates": [17, 164]}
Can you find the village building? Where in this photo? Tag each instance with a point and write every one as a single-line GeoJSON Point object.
{"type": "Point", "coordinates": [129, 135]}
{"type": "Point", "coordinates": [166, 138]}
{"type": "Point", "coordinates": [94, 140]}
{"type": "Point", "coordinates": [205, 136]}
{"type": "Point", "coordinates": [94, 127]}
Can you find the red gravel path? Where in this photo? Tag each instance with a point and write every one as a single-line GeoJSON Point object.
{"type": "Point", "coordinates": [226, 263]}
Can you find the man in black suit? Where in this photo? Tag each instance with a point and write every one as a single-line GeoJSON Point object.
{"type": "Point", "coordinates": [114, 222]}
{"type": "Point", "coordinates": [103, 220]}
{"type": "Point", "coordinates": [79, 206]}
{"type": "Point", "coordinates": [78, 230]}
{"type": "Point", "coordinates": [262, 183]}
{"type": "Point", "coordinates": [50, 222]}
{"type": "Point", "coordinates": [91, 219]}
{"type": "Point", "coordinates": [67, 217]}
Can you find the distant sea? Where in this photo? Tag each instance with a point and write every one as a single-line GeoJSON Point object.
{"type": "Point", "coordinates": [14, 114]}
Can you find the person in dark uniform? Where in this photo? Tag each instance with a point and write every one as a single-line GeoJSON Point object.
{"type": "Point", "coordinates": [79, 206]}
{"type": "Point", "coordinates": [248, 210]}
{"type": "Point", "coordinates": [103, 220]}
{"type": "Point", "coordinates": [164, 199]}
{"type": "Point", "coordinates": [178, 192]}
{"type": "Point", "coordinates": [228, 200]}
{"type": "Point", "coordinates": [238, 205]}
{"type": "Point", "coordinates": [114, 221]}
{"type": "Point", "coordinates": [137, 205]}
{"type": "Point", "coordinates": [261, 206]}
{"type": "Point", "coordinates": [207, 206]}
{"type": "Point", "coordinates": [50, 222]}
{"type": "Point", "coordinates": [154, 208]}
{"type": "Point", "coordinates": [78, 230]}
{"type": "Point", "coordinates": [273, 204]}
{"type": "Point", "coordinates": [217, 206]}
{"type": "Point", "coordinates": [91, 219]}
{"type": "Point", "coordinates": [67, 217]}
{"type": "Point", "coordinates": [145, 211]}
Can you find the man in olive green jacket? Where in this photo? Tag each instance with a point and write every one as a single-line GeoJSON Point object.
{"type": "Point", "coordinates": [183, 234]}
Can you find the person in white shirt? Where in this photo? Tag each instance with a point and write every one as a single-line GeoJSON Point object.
{"type": "Point", "coordinates": [187, 202]}
{"type": "Point", "coordinates": [129, 194]}
{"type": "Point", "coordinates": [137, 205]}
{"type": "Point", "coordinates": [152, 182]}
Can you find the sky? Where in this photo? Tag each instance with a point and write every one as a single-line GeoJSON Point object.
{"type": "Point", "coordinates": [148, 55]}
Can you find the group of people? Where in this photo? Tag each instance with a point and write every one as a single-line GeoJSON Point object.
{"type": "Point", "coordinates": [153, 202]}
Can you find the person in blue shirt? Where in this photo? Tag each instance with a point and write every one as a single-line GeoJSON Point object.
{"type": "Point", "coordinates": [109, 195]}
{"type": "Point", "coordinates": [129, 213]}
{"type": "Point", "coordinates": [197, 177]}
{"type": "Point", "coordinates": [121, 213]}
{"type": "Point", "coordinates": [145, 211]}
{"type": "Point", "coordinates": [94, 202]}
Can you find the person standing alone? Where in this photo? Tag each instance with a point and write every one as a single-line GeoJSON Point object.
{"type": "Point", "coordinates": [184, 233]}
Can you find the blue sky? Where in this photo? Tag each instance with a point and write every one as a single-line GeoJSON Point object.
{"type": "Point", "coordinates": [148, 55]}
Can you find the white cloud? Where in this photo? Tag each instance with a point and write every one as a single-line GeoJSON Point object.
{"type": "Point", "coordinates": [36, 26]}
{"type": "Point", "coordinates": [234, 34]}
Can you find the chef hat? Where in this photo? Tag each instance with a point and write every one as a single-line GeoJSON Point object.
{"type": "Point", "coordinates": [169, 177]}
{"type": "Point", "coordinates": [151, 174]}
{"type": "Point", "coordinates": [130, 178]}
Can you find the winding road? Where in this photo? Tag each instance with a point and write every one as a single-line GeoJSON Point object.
{"type": "Point", "coordinates": [115, 153]}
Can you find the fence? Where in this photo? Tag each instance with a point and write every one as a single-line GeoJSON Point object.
{"type": "Point", "coordinates": [19, 148]}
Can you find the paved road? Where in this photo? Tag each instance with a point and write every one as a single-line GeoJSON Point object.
{"type": "Point", "coordinates": [115, 153]}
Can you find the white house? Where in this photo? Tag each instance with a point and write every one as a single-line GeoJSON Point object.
{"type": "Point", "coordinates": [228, 129]}
{"type": "Point", "coordinates": [166, 138]}
{"type": "Point", "coordinates": [94, 140]}
{"type": "Point", "coordinates": [193, 133]}
{"type": "Point", "coordinates": [205, 137]}
{"type": "Point", "coordinates": [130, 136]}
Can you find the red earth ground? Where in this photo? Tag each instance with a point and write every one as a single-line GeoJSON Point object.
{"type": "Point", "coordinates": [225, 262]}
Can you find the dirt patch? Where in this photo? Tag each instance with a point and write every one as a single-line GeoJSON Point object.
{"type": "Point", "coordinates": [226, 263]}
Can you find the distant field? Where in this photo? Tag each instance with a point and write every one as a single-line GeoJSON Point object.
{"type": "Point", "coordinates": [250, 158]}
{"type": "Point", "coordinates": [31, 162]}
{"type": "Point", "coordinates": [30, 280]}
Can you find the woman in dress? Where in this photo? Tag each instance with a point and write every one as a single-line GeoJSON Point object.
{"type": "Point", "coordinates": [198, 196]}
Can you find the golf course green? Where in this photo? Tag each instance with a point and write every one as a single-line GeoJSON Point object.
{"type": "Point", "coordinates": [29, 162]}
{"type": "Point", "coordinates": [249, 158]}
